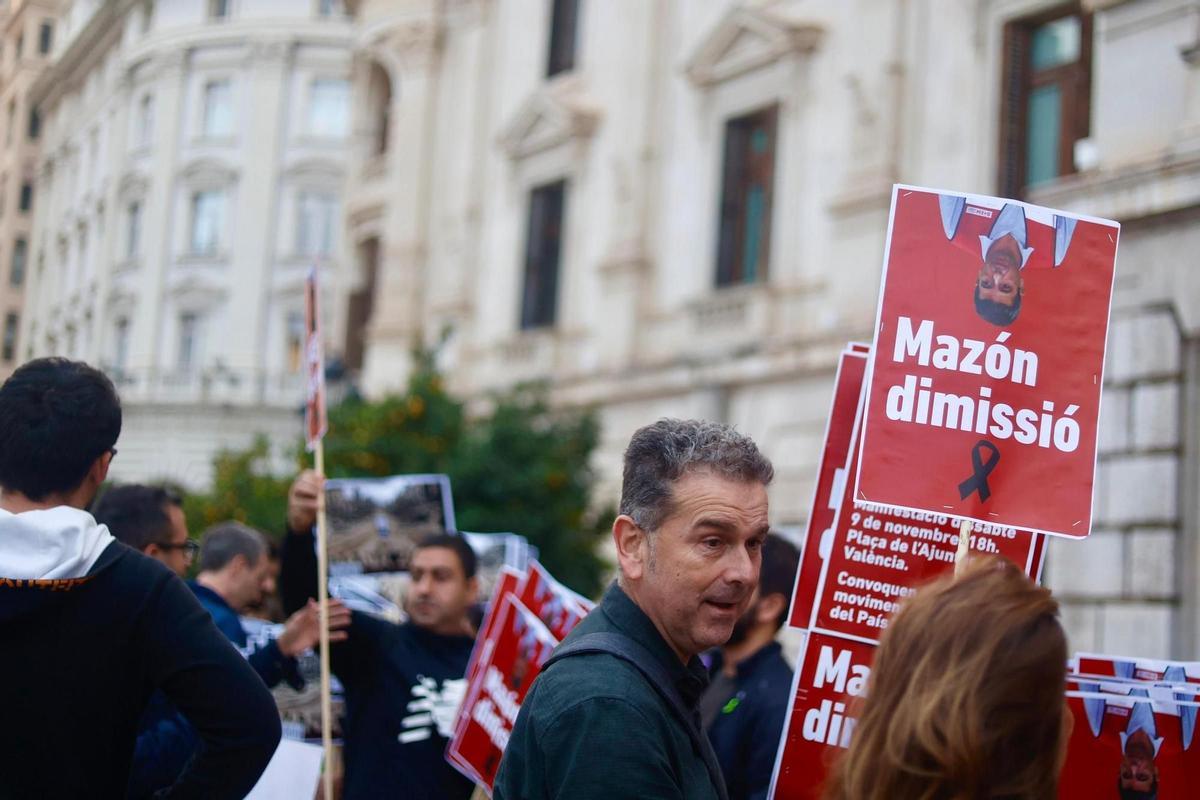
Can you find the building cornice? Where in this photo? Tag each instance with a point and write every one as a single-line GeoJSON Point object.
{"type": "Point", "coordinates": [104, 31]}
{"type": "Point", "coordinates": [96, 38]}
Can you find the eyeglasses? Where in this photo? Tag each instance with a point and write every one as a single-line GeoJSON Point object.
{"type": "Point", "coordinates": [190, 548]}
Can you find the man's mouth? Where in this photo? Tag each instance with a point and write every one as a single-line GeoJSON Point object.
{"type": "Point", "coordinates": [729, 607]}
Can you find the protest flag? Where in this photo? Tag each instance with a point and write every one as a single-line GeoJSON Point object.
{"type": "Point", "coordinates": [315, 425]}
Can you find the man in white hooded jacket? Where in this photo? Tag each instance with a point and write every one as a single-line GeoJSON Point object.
{"type": "Point", "coordinates": [90, 628]}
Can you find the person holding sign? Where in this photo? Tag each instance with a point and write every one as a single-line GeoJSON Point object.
{"type": "Point", "coordinates": [965, 697]}
{"type": "Point", "coordinates": [614, 712]}
{"type": "Point", "coordinates": [403, 682]}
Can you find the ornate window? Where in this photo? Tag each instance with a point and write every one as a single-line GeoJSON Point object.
{"type": "Point", "coordinates": [1045, 98]}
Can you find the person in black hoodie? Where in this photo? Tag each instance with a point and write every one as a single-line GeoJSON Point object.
{"type": "Point", "coordinates": [403, 683]}
{"type": "Point", "coordinates": [90, 627]}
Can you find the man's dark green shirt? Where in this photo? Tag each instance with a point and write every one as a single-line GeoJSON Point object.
{"type": "Point", "coordinates": [593, 727]}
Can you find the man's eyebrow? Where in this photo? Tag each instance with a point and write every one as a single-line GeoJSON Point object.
{"type": "Point", "coordinates": [720, 523]}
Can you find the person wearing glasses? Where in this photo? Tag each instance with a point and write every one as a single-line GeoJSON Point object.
{"type": "Point", "coordinates": [91, 628]}
{"type": "Point", "coordinates": [234, 575]}
{"type": "Point", "coordinates": [150, 520]}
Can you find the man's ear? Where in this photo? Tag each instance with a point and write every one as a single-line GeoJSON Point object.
{"type": "Point", "coordinates": [472, 589]}
{"type": "Point", "coordinates": [152, 550]}
{"type": "Point", "coordinates": [98, 473]}
{"type": "Point", "coordinates": [770, 607]}
{"type": "Point", "coordinates": [632, 547]}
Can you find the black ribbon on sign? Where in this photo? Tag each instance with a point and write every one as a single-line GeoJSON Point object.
{"type": "Point", "coordinates": [977, 482]}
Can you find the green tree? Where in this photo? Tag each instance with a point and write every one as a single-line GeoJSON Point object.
{"type": "Point", "coordinates": [523, 467]}
{"type": "Point", "coordinates": [526, 468]}
{"type": "Point", "coordinates": [244, 489]}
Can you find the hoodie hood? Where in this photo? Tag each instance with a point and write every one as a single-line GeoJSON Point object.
{"type": "Point", "coordinates": [50, 544]}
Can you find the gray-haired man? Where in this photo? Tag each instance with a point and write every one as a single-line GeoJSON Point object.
{"type": "Point", "coordinates": [613, 714]}
{"type": "Point", "coordinates": [235, 573]}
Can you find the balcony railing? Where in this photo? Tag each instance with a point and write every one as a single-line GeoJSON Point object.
{"type": "Point", "coordinates": [218, 384]}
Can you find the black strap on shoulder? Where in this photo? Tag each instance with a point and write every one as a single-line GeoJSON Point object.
{"type": "Point", "coordinates": [626, 649]}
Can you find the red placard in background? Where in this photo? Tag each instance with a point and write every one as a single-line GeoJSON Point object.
{"type": "Point", "coordinates": [831, 478]}
{"type": "Point", "coordinates": [1102, 752]}
{"type": "Point", "coordinates": [879, 556]}
{"type": "Point", "coordinates": [508, 665]}
{"type": "Point", "coordinates": [833, 672]}
{"type": "Point", "coordinates": [974, 419]}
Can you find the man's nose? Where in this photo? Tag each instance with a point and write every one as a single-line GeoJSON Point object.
{"type": "Point", "coordinates": [741, 567]}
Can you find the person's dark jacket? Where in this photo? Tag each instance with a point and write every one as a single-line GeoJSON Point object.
{"type": "Point", "coordinates": [392, 675]}
{"type": "Point", "coordinates": [166, 741]}
{"type": "Point", "coordinates": [83, 656]}
{"type": "Point", "coordinates": [270, 664]}
{"type": "Point", "coordinates": [745, 734]}
{"type": "Point", "coordinates": [593, 727]}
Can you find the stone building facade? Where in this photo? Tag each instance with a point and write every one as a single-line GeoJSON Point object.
{"type": "Point", "coordinates": [26, 41]}
{"type": "Point", "coordinates": [191, 174]}
{"type": "Point", "coordinates": [678, 207]}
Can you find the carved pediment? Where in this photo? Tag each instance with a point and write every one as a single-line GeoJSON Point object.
{"type": "Point", "coordinates": [553, 116]}
{"type": "Point", "coordinates": [133, 184]}
{"type": "Point", "coordinates": [196, 293]}
{"type": "Point", "coordinates": [316, 169]}
{"type": "Point", "coordinates": [208, 171]}
{"type": "Point", "coordinates": [747, 39]}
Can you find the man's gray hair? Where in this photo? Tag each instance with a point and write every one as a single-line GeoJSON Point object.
{"type": "Point", "coordinates": [226, 541]}
{"type": "Point", "coordinates": [661, 453]}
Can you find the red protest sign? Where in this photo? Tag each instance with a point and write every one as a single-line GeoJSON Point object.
{"type": "Point", "coordinates": [554, 604]}
{"type": "Point", "coordinates": [984, 386]}
{"type": "Point", "coordinates": [831, 479]}
{"type": "Point", "coordinates": [1138, 669]}
{"type": "Point", "coordinates": [1125, 742]}
{"type": "Point", "coordinates": [509, 663]}
{"type": "Point", "coordinates": [878, 556]}
{"type": "Point", "coordinates": [506, 584]}
{"type": "Point", "coordinates": [315, 422]}
{"type": "Point", "coordinates": [833, 672]}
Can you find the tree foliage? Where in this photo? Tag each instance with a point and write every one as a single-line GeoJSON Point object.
{"type": "Point", "coordinates": [524, 468]}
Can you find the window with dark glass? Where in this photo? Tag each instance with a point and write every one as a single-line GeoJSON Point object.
{"type": "Point", "coordinates": [45, 37]}
{"type": "Point", "coordinates": [564, 24]}
{"type": "Point", "coordinates": [26, 202]}
{"type": "Point", "coordinates": [361, 304]}
{"type": "Point", "coordinates": [1045, 98]}
{"type": "Point", "coordinates": [543, 248]}
{"type": "Point", "coordinates": [35, 124]}
{"type": "Point", "coordinates": [218, 9]}
{"type": "Point", "coordinates": [16, 273]}
{"type": "Point", "coordinates": [9, 350]}
{"type": "Point", "coordinates": [744, 233]}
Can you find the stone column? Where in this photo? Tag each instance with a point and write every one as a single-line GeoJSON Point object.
{"type": "Point", "coordinates": [254, 219]}
{"type": "Point", "coordinates": [396, 321]}
{"type": "Point", "coordinates": [145, 341]}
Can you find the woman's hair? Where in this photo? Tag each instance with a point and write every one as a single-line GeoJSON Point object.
{"type": "Point", "coordinates": [965, 698]}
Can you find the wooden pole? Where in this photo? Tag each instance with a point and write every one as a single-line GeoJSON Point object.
{"type": "Point", "coordinates": [323, 601]}
{"type": "Point", "coordinates": [964, 546]}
